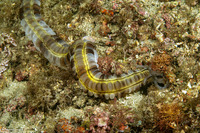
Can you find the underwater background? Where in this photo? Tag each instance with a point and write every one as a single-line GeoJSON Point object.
{"type": "Point", "coordinates": [163, 35]}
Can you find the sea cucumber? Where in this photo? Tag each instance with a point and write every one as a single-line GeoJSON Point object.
{"type": "Point", "coordinates": [81, 55]}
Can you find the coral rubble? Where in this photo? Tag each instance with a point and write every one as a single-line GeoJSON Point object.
{"type": "Point", "coordinates": [161, 35]}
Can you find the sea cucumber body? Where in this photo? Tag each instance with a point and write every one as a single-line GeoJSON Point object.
{"type": "Point", "coordinates": [81, 55]}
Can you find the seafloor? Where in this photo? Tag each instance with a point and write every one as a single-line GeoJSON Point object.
{"type": "Point", "coordinates": [164, 35]}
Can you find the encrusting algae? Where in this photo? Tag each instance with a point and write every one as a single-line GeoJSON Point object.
{"type": "Point", "coordinates": [141, 45]}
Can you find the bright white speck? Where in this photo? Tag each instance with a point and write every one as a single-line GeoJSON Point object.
{"type": "Point", "coordinates": [189, 85]}
{"type": "Point", "coordinates": [184, 91]}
